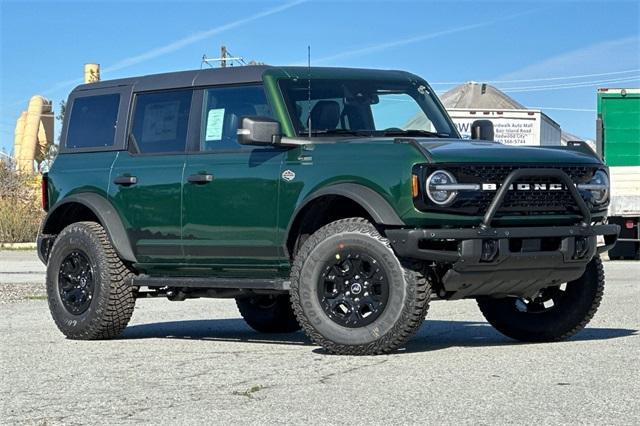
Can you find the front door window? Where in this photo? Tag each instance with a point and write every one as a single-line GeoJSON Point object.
{"type": "Point", "coordinates": [223, 110]}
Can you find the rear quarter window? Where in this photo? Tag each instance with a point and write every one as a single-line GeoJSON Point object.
{"type": "Point", "coordinates": [92, 123]}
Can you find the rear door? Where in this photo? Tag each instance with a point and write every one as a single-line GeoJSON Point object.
{"type": "Point", "coordinates": [230, 192]}
{"type": "Point", "coordinates": [146, 180]}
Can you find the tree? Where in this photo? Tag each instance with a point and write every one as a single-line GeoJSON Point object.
{"type": "Point", "coordinates": [52, 152]}
{"type": "Point", "coordinates": [60, 115]}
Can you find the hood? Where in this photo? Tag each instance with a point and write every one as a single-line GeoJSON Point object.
{"type": "Point", "coordinates": [465, 151]}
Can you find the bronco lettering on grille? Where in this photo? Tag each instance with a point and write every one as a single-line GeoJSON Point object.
{"type": "Point", "coordinates": [526, 187]}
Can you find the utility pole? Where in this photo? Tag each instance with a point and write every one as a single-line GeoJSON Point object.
{"type": "Point", "coordinates": [223, 56]}
{"type": "Point", "coordinates": [226, 58]}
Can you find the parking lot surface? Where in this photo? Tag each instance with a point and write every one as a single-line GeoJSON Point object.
{"type": "Point", "coordinates": [196, 362]}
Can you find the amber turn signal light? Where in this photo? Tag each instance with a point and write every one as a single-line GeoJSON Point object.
{"type": "Point", "coordinates": [414, 186]}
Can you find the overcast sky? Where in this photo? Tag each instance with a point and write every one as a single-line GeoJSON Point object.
{"type": "Point", "coordinates": [549, 55]}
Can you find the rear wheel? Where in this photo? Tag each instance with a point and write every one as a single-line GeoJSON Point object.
{"type": "Point", "coordinates": [268, 314]}
{"type": "Point", "coordinates": [557, 313]}
{"type": "Point", "coordinates": [352, 295]}
{"type": "Point", "coordinates": [88, 287]}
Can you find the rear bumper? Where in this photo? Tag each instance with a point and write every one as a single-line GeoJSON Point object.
{"type": "Point", "coordinates": [504, 261]}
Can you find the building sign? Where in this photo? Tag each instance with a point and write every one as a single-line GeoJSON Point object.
{"type": "Point", "coordinates": [507, 131]}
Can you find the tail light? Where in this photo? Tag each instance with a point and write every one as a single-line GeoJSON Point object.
{"type": "Point", "coordinates": [45, 192]}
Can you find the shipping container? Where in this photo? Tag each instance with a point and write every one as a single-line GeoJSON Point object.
{"type": "Point", "coordinates": [618, 143]}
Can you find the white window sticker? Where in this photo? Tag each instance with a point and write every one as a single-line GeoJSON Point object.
{"type": "Point", "coordinates": [215, 121]}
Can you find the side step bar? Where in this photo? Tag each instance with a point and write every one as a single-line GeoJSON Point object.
{"type": "Point", "coordinates": [213, 283]}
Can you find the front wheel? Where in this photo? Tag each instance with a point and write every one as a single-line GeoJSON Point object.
{"type": "Point", "coordinates": [557, 313]}
{"type": "Point", "coordinates": [352, 295]}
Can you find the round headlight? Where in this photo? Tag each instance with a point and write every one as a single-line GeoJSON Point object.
{"type": "Point", "coordinates": [600, 195]}
{"type": "Point", "coordinates": [436, 187]}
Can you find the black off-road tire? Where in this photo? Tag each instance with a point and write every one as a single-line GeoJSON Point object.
{"type": "Point", "coordinates": [113, 299]}
{"type": "Point", "coordinates": [408, 297]}
{"type": "Point", "coordinates": [576, 306]}
{"type": "Point", "coordinates": [268, 314]}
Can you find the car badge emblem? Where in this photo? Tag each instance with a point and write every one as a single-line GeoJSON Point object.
{"type": "Point", "coordinates": [288, 175]}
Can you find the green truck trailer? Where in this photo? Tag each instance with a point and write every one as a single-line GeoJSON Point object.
{"type": "Point", "coordinates": [618, 143]}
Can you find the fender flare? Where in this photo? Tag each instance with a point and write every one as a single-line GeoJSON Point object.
{"type": "Point", "coordinates": [108, 217]}
{"type": "Point", "coordinates": [378, 208]}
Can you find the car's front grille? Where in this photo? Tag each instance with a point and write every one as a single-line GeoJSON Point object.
{"type": "Point", "coordinates": [518, 202]}
{"type": "Point", "coordinates": [498, 173]}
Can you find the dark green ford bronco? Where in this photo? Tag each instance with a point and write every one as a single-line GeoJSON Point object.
{"type": "Point", "coordinates": [340, 201]}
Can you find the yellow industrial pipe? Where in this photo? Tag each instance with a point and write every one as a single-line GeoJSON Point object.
{"type": "Point", "coordinates": [45, 134]}
{"type": "Point", "coordinates": [37, 133]}
{"type": "Point", "coordinates": [91, 73]}
{"type": "Point", "coordinates": [18, 134]}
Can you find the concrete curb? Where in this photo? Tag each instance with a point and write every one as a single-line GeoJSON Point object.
{"type": "Point", "coordinates": [18, 246]}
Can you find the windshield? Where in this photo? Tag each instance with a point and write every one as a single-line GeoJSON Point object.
{"type": "Point", "coordinates": [365, 108]}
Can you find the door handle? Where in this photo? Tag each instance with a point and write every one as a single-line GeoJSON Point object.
{"type": "Point", "coordinates": [200, 178]}
{"type": "Point", "coordinates": [125, 180]}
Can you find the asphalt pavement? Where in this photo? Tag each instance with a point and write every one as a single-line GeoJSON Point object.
{"type": "Point", "coordinates": [196, 362]}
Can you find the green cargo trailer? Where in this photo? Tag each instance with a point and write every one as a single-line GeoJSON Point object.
{"type": "Point", "coordinates": [618, 142]}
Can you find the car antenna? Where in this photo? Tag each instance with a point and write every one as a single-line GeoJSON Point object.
{"type": "Point", "coordinates": [309, 88]}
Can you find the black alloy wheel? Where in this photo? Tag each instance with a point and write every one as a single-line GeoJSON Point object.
{"type": "Point", "coordinates": [75, 282]}
{"type": "Point", "coordinates": [353, 289]}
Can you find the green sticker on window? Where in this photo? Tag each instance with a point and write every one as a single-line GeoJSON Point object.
{"type": "Point", "coordinates": [215, 121]}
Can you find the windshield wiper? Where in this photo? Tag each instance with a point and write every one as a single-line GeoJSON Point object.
{"type": "Point", "coordinates": [369, 133]}
{"type": "Point", "coordinates": [330, 132]}
{"type": "Point", "coordinates": [415, 132]}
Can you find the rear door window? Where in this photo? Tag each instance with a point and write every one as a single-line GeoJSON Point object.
{"type": "Point", "coordinates": [160, 122]}
{"type": "Point", "coordinates": [93, 121]}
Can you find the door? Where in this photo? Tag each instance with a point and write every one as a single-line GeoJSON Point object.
{"type": "Point", "coordinates": [230, 192]}
{"type": "Point", "coordinates": [621, 118]}
{"type": "Point", "coordinates": [146, 180]}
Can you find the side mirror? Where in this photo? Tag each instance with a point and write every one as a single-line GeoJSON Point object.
{"type": "Point", "coordinates": [259, 131]}
{"type": "Point", "coordinates": [482, 129]}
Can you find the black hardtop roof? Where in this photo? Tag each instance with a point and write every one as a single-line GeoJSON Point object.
{"type": "Point", "coordinates": [203, 77]}
{"type": "Point", "coordinates": [221, 76]}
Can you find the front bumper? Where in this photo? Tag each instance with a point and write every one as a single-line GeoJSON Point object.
{"type": "Point", "coordinates": [414, 243]}
{"type": "Point", "coordinates": [516, 261]}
